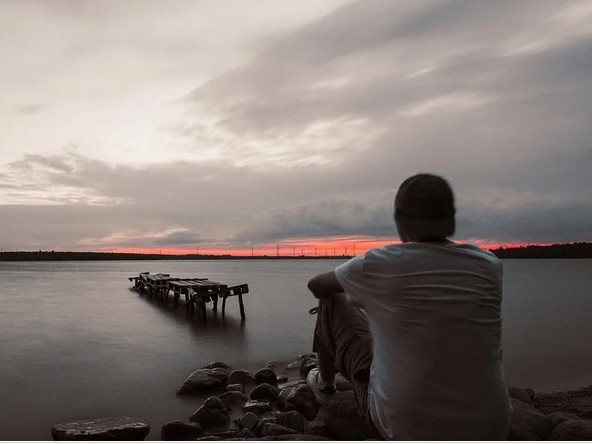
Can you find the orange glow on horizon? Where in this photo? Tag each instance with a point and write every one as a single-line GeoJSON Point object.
{"type": "Point", "coordinates": [309, 247]}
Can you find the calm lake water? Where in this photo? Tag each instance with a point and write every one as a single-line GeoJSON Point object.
{"type": "Point", "coordinates": [77, 343]}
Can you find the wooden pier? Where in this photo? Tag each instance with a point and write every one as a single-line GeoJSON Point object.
{"type": "Point", "coordinates": [196, 291]}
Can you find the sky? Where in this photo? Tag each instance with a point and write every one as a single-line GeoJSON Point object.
{"type": "Point", "coordinates": [273, 125]}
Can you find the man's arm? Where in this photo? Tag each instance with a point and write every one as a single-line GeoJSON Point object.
{"type": "Point", "coordinates": [324, 285]}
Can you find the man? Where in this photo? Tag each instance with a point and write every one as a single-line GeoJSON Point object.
{"type": "Point", "coordinates": [424, 352]}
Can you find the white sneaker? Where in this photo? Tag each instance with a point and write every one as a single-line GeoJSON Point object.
{"type": "Point", "coordinates": [322, 395]}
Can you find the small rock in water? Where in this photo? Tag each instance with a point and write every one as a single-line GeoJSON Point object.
{"type": "Point", "coordinates": [217, 364]}
{"type": "Point", "coordinates": [266, 375]}
{"type": "Point", "coordinates": [118, 428]}
{"type": "Point", "coordinates": [301, 399]}
{"type": "Point", "coordinates": [265, 391]}
{"type": "Point", "coordinates": [234, 398]}
{"type": "Point", "coordinates": [180, 431]}
{"type": "Point", "coordinates": [241, 377]}
{"type": "Point", "coordinates": [572, 430]}
{"type": "Point", "coordinates": [257, 407]}
{"type": "Point", "coordinates": [203, 381]}
{"type": "Point", "coordinates": [248, 421]}
{"type": "Point", "coordinates": [235, 388]}
{"type": "Point", "coordinates": [211, 416]}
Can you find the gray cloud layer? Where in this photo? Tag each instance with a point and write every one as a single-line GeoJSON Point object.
{"type": "Point", "coordinates": [312, 137]}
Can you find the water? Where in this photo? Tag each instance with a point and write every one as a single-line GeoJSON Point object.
{"type": "Point", "coordinates": [76, 342]}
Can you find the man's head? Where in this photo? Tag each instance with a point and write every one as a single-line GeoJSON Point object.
{"type": "Point", "coordinates": [424, 209]}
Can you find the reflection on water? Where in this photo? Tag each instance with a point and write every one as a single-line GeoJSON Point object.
{"type": "Point", "coordinates": [77, 343]}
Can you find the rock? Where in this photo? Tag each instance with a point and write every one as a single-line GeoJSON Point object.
{"type": "Point", "coordinates": [292, 419]}
{"type": "Point", "coordinates": [573, 430]}
{"type": "Point", "coordinates": [246, 434]}
{"type": "Point", "coordinates": [257, 407]}
{"type": "Point", "coordinates": [265, 391]}
{"type": "Point", "coordinates": [578, 402]}
{"type": "Point", "coordinates": [282, 379]}
{"type": "Point", "coordinates": [241, 377]}
{"type": "Point", "coordinates": [209, 438]}
{"type": "Point", "coordinates": [317, 428]}
{"type": "Point", "coordinates": [118, 428]}
{"type": "Point", "coordinates": [235, 388]}
{"type": "Point", "coordinates": [340, 414]}
{"type": "Point", "coordinates": [301, 399]}
{"type": "Point", "coordinates": [235, 399]}
{"type": "Point", "coordinates": [291, 384]}
{"type": "Point", "coordinates": [218, 365]}
{"type": "Point", "coordinates": [265, 375]}
{"type": "Point", "coordinates": [214, 402]}
{"type": "Point", "coordinates": [203, 381]}
{"type": "Point", "coordinates": [270, 429]}
{"type": "Point", "coordinates": [558, 417]}
{"type": "Point", "coordinates": [524, 395]}
{"type": "Point", "coordinates": [272, 364]}
{"type": "Point", "coordinates": [527, 423]}
{"type": "Point", "coordinates": [224, 434]}
{"type": "Point", "coordinates": [248, 421]}
{"type": "Point", "coordinates": [211, 416]}
{"type": "Point", "coordinates": [293, 437]}
{"type": "Point", "coordinates": [308, 363]}
{"type": "Point", "coordinates": [342, 384]}
{"type": "Point", "coordinates": [180, 431]}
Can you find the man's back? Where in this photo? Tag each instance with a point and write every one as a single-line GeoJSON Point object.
{"type": "Point", "coordinates": [434, 310]}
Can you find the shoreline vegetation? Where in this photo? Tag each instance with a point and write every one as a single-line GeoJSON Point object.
{"type": "Point", "coordinates": [575, 250]}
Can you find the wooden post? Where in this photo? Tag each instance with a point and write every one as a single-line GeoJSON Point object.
{"type": "Point", "coordinates": [242, 306]}
{"type": "Point", "coordinates": [223, 305]}
{"type": "Point", "coordinates": [215, 301]}
{"type": "Point", "coordinates": [203, 310]}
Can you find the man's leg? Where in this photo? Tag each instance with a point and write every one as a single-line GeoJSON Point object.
{"type": "Point", "coordinates": [343, 343]}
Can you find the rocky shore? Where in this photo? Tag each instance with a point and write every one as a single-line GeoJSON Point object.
{"type": "Point", "coordinates": [275, 403]}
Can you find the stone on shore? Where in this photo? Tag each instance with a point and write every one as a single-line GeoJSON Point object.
{"type": "Point", "coordinates": [578, 402]}
{"type": "Point", "coordinates": [180, 431]}
{"type": "Point", "coordinates": [573, 430]}
{"type": "Point", "coordinates": [524, 395]}
{"type": "Point", "coordinates": [114, 428]}
{"type": "Point", "coordinates": [246, 434]}
{"type": "Point", "coordinates": [241, 377]}
{"type": "Point", "coordinates": [204, 381]}
{"type": "Point", "coordinates": [270, 429]}
{"type": "Point", "coordinates": [527, 423]}
{"type": "Point", "coordinates": [292, 419]}
{"type": "Point", "coordinates": [234, 398]}
{"type": "Point", "coordinates": [301, 399]}
{"type": "Point", "coordinates": [265, 375]}
{"type": "Point", "coordinates": [235, 388]}
{"type": "Point", "coordinates": [559, 417]}
{"type": "Point", "coordinates": [340, 414]}
{"type": "Point", "coordinates": [248, 421]}
{"type": "Point", "coordinates": [212, 413]}
{"type": "Point", "coordinates": [257, 407]}
{"type": "Point", "coordinates": [265, 392]}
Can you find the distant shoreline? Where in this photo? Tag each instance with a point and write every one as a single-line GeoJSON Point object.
{"type": "Point", "coordinates": [576, 250]}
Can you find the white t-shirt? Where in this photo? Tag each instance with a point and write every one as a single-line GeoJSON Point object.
{"type": "Point", "coordinates": [434, 310]}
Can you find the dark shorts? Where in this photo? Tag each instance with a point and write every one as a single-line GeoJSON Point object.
{"type": "Point", "coordinates": [343, 330]}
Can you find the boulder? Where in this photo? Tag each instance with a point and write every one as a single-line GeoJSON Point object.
{"type": "Point", "coordinates": [203, 381]}
{"type": "Point", "coordinates": [257, 407]}
{"type": "Point", "coordinates": [212, 413]}
{"type": "Point", "coordinates": [340, 414]}
{"type": "Point", "coordinates": [301, 399]}
{"type": "Point", "coordinates": [245, 434]}
{"type": "Point", "coordinates": [235, 399]}
{"type": "Point", "coordinates": [118, 428]}
{"type": "Point", "coordinates": [527, 423]}
{"type": "Point", "coordinates": [573, 430]}
{"type": "Point", "coordinates": [214, 402]}
{"type": "Point", "coordinates": [270, 429]}
{"type": "Point", "coordinates": [292, 419]}
{"type": "Point", "coordinates": [248, 421]}
{"type": "Point", "coordinates": [218, 365]}
{"type": "Point", "coordinates": [524, 395]}
{"type": "Point", "coordinates": [281, 379]}
{"type": "Point", "coordinates": [180, 431]}
{"type": "Point", "coordinates": [265, 375]}
{"type": "Point", "coordinates": [241, 377]}
{"type": "Point", "coordinates": [265, 391]}
{"type": "Point", "coordinates": [578, 402]}
{"type": "Point", "coordinates": [558, 417]}
{"type": "Point", "coordinates": [317, 428]}
{"type": "Point", "coordinates": [235, 388]}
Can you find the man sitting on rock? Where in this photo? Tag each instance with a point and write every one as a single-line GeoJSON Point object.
{"type": "Point", "coordinates": [416, 327]}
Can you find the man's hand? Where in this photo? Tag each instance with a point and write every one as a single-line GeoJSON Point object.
{"type": "Point", "coordinates": [324, 285]}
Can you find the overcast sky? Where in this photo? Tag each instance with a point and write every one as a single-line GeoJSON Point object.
{"type": "Point", "coordinates": [229, 124]}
